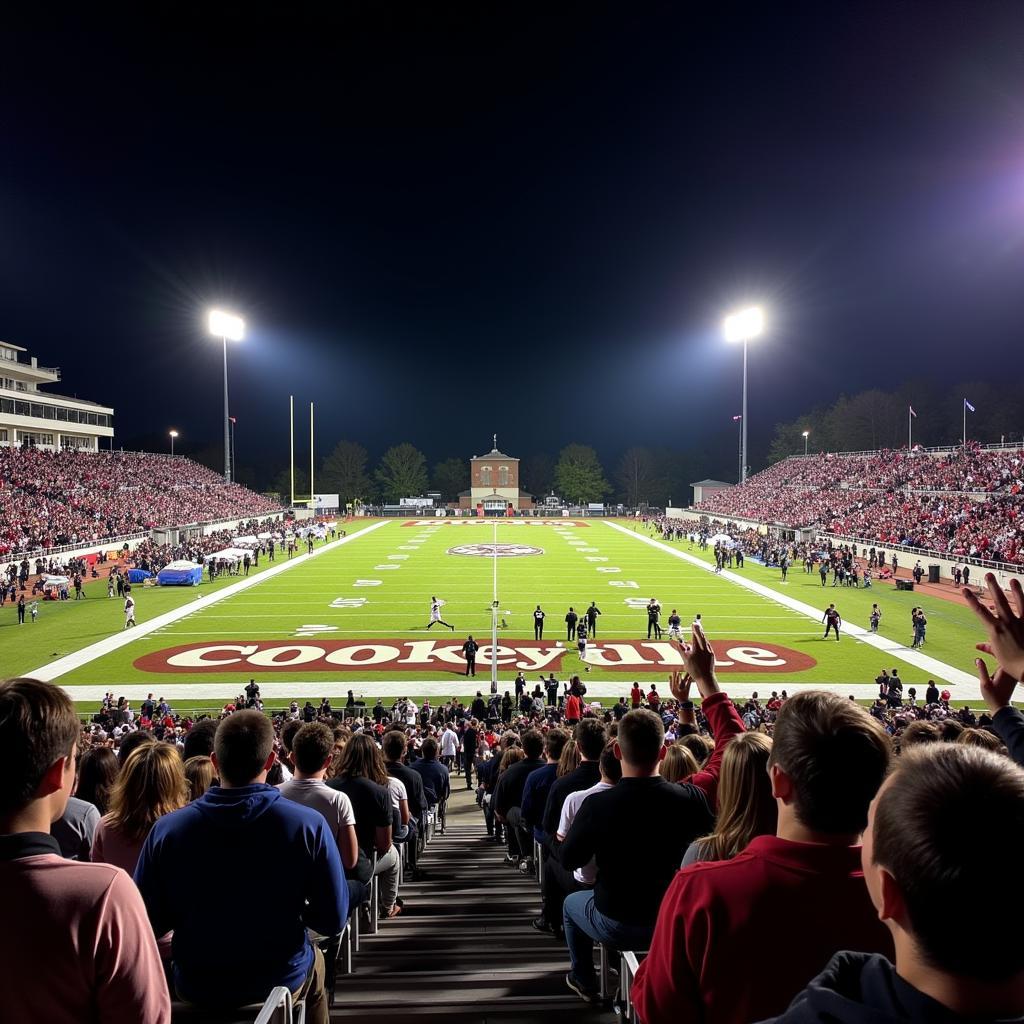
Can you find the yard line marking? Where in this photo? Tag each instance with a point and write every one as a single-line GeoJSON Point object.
{"type": "Point", "coordinates": [126, 636]}
{"type": "Point", "coordinates": [929, 665]}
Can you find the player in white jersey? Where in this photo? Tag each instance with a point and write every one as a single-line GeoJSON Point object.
{"type": "Point", "coordinates": [129, 611]}
{"type": "Point", "coordinates": [435, 614]}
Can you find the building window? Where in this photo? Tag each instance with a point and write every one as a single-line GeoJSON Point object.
{"type": "Point", "coordinates": [503, 476]}
{"type": "Point", "coordinates": [485, 476]}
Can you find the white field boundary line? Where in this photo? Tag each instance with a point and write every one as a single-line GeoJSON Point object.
{"type": "Point", "coordinates": [272, 692]}
{"type": "Point", "coordinates": [932, 666]}
{"type": "Point", "coordinates": [126, 636]}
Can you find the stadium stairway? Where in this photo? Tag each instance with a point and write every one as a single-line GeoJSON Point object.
{"type": "Point", "coordinates": [463, 951]}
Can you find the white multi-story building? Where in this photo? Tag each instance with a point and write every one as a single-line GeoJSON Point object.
{"type": "Point", "coordinates": [42, 418]}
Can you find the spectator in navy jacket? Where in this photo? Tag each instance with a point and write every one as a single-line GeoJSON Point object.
{"type": "Point", "coordinates": [237, 946]}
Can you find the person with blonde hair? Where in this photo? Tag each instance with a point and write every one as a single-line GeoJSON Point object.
{"type": "Point", "coordinates": [746, 807]}
{"type": "Point", "coordinates": [200, 776]}
{"type": "Point", "coordinates": [150, 785]}
{"type": "Point", "coordinates": [678, 764]}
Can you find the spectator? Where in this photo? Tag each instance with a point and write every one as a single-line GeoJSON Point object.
{"type": "Point", "coordinates": [746, 807]}
{"type": "Point", "coordinates": [436, 781]}
{"type": "Point", "coordinates": [614, 828]}
{"type": "Point", "coordinates": [200, 776]}
{"type": "Point", "coordinates": [150, 785]}
{"type": "Point", "coordinates": [313, 751]}
{"type": "Point", "coordinates": [508, 800]}
{"type": "Point", "coordinates": [395, 747]}
{"type": "Point", "coordinates": [97, 773]}
{"type": "Point", "coordinates": [678, 764]}
{"type": "Point", "coordinates": [84, 922]}
{"type": "Point", "coordinates": [199, 740]}
{"type": "Point", "coordinates": [75, 829]}
{"type": "Point", "coordinates": [922, 876]}
{"type": "Point", "coordinates": [828, 759]}
{"type": "Point", "coordinates": [360, 775]}
{"type": "Point", "coordinates": [243, 824]}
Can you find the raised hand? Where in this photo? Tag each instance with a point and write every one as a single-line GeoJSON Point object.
{"type": "Point", "coordinates": [996, 690]}
{"type": "Point", "coordinates": [679, 683]}
{"type": "Point", "coordinates": [1004, 625]}
{"type": "Point", "coordinates": [699, 662]}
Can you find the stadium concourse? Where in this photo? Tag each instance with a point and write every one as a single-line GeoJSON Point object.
{"type": "Point", "coordinates": [964, 503]}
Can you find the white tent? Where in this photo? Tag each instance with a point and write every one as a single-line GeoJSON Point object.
{"type": "Point", "coordinates": [227, 555]}
{"type": "Point", "coordinates": [246, 542]}
{"type": "Point", "coordinates": [181, 565]}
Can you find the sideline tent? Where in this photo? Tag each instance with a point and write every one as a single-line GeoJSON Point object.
{"type": "Point", "coordinates": [227, 555]}
{"type": "Point", "coordinates": [138, 575]}
{"type": "Point", "coordinates": [180, 573]}
{"type": "Point", "coordinates": [53, 585]}
{"type": "Point", "coordinates": [248, 542]}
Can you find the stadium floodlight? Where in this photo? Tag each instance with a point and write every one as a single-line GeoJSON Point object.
{"type": "Point", "coordinates": [806, 434]}
{"type": "Point", "coordinates": [173, 434]}
{"type": "Point", "coordinates": [744, 326]}
{"type": "Point", "coordinates": [226, 326]}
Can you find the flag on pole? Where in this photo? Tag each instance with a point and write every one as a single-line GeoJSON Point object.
{"type": "Point", "coordinates": [735, 418]}
{"type": "Point", "coordinates": [968, 406]}
{"type": "Point", "coordinates": [912, 413]}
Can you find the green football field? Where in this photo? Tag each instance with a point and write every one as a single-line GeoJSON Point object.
{"type": "Point", "coordinates": [354, 616]}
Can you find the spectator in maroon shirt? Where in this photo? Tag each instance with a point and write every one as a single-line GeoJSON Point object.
{"type": "Point", "coordinates": [949, 815]}
{"type": "Point", "coordinates": [803, 888]}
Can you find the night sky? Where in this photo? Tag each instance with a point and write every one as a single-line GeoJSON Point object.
{"type": "Point", "coordinates": [444, 221]}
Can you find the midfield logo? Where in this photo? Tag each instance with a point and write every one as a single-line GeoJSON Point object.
{"type": "Point", "coordinates": [495, 550]}
{"type": "Point", "coordinates": [332, 656]}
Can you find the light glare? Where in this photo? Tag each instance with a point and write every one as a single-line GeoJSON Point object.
{"type": "Point", "coordinates": [226, 325]}
{"type": "Point", "coordinates": [744, 325]}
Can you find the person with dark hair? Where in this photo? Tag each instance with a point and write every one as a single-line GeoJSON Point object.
{"type": "Point", "coordinates": [922, 877]}
{"type": "Point", "coordinates": [313, 752]}
{"type": "Point", "coordinates": [434, 775]}
{"type": "Point", "coordinates": [643, 819]}
{"type": "Point", "coordinates": [97, 773]}
{"type": "Point", "coordinates": [243, 821]}
{"type": "Point", "coordinates": [828, 759]}
{"type": "Point", "coordinates": [199, 739]}
{"type": "Point", "coordinates": [589, 738]}
{"type": "Point", "coordinates": [470, 739]}
{"type": "Point", "coordinates": [83, 924]}
{"type": "Point", "coordinates": [395, 747]}
{"type": "Point", "coordinates": [507, 801]}
{"type": "Point", "coordinates": [131, 741]}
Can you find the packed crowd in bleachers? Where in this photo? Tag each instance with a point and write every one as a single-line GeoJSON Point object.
{"type": "Point", "coordinates": [976, 513]}
{"type": "Point", "coordinates": [49, 499]}
{"type": "Point", "coordinates": [697, 837]}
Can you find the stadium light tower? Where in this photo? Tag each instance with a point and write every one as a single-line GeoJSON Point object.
{"type": "Point", "coordinates": [805, 435]}
{"type": "Point", "coordinates": [745, 326]}
{"type": "Point", "coordinates": [227, 327]}
{"type": "Point", "coordinates": [173, 434]}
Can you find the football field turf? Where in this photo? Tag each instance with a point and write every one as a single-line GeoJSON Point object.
{"type": "Point", "coordinates": [354, 616]}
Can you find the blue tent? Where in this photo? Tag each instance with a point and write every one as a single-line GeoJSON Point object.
{"type": "Point", "coordinates": [180, 574]}
{"type": "Point", "coordinates": [138, 575]}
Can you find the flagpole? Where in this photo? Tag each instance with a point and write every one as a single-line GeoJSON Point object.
{"type": "Point", "coordinates": [964, 410]}
{"type": "Point", "coordinates": [910, 428]}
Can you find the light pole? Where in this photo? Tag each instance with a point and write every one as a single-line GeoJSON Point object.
{"type": "Point", "coordinates": [232, 420]}
{"type": "Point", "coordinates": [806, 434]}
{"type": "Point", "coordinates": [173, 435]}
{"type": "Point", "coordinates": [739, 448]}
{"type": "Point", "coordinates": [744, 326]}
{"type": "Point", "coordinates": [226, 326]}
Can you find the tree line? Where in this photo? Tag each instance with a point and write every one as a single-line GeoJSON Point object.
{"type": "Point", "coordinates": [874, 419]}
{"type": "Point", "coordinates": [641, 475]}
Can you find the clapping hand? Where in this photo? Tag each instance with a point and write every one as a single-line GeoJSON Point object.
{"type": "Point", "coordinates": [1005, 628]}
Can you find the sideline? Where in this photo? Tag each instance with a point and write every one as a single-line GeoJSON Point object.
{"type": "Point", "coordinates": [966, 684]}
{"type": "Point", "coordinates": [69, 662]}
